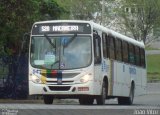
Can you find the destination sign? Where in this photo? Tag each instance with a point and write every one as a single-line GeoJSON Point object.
{"type": "Point", "coordinates": [61, 28]}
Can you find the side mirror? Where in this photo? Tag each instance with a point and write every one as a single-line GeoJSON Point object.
{"type": "Point", "coordinates": [26, 36]}
{"type": "Point", "coordinates": [25, 42]}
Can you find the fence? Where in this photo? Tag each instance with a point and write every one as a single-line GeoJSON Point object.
{"type": "Point", "coordinates": [13, 77]}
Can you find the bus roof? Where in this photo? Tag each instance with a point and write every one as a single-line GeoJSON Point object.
{"type": "Point", "coordinates": [118, 35]}
{"type": "Point", "coordinates": [101, 28]}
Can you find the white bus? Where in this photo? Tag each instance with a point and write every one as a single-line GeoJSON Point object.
{"type": "Point", "coordinates": [83, 60]}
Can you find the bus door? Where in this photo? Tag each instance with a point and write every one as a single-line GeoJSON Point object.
{"type": "Point", "coordinates": [97, 59]}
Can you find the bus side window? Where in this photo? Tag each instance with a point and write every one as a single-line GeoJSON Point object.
{"type": "Point", "coordinates": [131, 54]}
{"type": "Point", "coordinates": [112, 47]}
{"type": "Point", "coordinates": [137, 52]}
{"type": "Point", "coordinates": [104, 46]}
{"type": "Point", "coordinates": [142, 56]}
{"type": "Point", "coordinates": [118, 49]}
{"type": "Point", "coordinates": [97, 48]}
{"type": "Point", "coordinates": [107, 44]}
{"type": "Point", "coordinates": [125, 51]}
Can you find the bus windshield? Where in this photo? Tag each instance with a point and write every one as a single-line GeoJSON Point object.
{"type": "Point", "coordinates": [60, 52]}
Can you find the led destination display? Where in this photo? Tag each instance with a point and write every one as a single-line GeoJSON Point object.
{"type": "Point", "coordinates": [61, 28]}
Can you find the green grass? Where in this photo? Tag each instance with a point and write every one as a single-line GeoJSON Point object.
{"type": "Point", "coordinates": [153, 77]}
{"type": "Point", "coordinates": [153, 64]}
{"type": "Point", "coordinates": [153, 67]}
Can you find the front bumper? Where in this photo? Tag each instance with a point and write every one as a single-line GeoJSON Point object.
{"type": "Point", "coordinates": [68, 90]}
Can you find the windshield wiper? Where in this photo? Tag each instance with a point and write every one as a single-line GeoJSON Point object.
{"type": "Point", "coordinates": [55, 63]}
{"type": "Point", "coordinates": [49, 40]}
{"type": "Point", "coordinates": [73, 37]}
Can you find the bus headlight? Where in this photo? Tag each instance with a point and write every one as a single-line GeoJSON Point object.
{"type": "Point", "coordinates": [35, 79]}
{"type": "Point", "coordinates": [85, 78]}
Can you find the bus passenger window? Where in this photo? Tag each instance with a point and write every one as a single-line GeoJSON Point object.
{"type": "Point", "coordinates": [107, 44]}
{"type": "Point", "coordinates": [125, 51]}
{"type": "Point", "coordinates": [104, 46]}
{"type": "Point", "coordinates": [97, 49]}
{"type": "Point", "coordinates": [137, 52]}
{"type": "Point", "coordinates": [131, 54]}
{"type": "Point", "coordinates": [142, 55]}
{"type": "Point", "coordinates": [112, 48]}
{"type": "Point", "coordinates": [118, 50]}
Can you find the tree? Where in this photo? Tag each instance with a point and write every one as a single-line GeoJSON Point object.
{"type": "Point", "coordinates": [17, 17]}
{"type": "Point", "coordinates": [50, 10]}
{"type": "Point", "coordinates": [140, 17]}
{"type": "Point", "coordinates": [80, 9]}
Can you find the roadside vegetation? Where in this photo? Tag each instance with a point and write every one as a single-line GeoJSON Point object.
{"type": "Point", "coordinates": [153, 68]}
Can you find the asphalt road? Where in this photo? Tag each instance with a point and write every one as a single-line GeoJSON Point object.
{"type": "Point", "coordinates": [151, 52]}
{"type": "Point", "coordinates": [148, 104]}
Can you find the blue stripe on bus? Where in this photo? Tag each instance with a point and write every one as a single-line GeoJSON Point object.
{"type": "Point", "coordinates": [59, 77]}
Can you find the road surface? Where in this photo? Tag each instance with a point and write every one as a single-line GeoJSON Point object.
{"type": "Point", "coordinates": [152, 52]}
{"type": "Point", "coordinates": [143, 105]}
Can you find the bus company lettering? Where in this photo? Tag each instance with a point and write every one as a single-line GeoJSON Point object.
{"type": "Point", "coordinates": [65, 28]}
{"type": "Point", "coordinates": [104, 67]}
{"type": "Point", "coordinates": [132, 70]}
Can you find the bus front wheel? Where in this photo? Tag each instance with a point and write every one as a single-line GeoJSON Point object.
{"type": "Point", "coordinates": [101, 99]}
{"type": "Point", "coordinates": [48, 99]}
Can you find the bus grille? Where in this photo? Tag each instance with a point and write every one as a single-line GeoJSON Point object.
{"type": "Point", "coordinates": [57, 88]}
{"type": "Point", "coordinates": [63, 82]}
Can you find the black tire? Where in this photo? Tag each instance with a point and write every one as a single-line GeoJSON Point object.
{"type": "Point", "coordinates": [48, 99]}
{"type": "Point", "coordinates": [121, 100]}
{"type": "Point", "coordinates": [86, 101]}
{"type": "Point", "coordinates": [127, 100]}
{"type": "Point", "coordinates": [101, 99]}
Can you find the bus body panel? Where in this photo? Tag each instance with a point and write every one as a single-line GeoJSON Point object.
{"type": "Point", "coordinates": [93, 84]}
{"type": "Point", "coordinates": [140, 81]}
{"type": "Point", "coordinates": [97, 79]}
{"type": "Point", "coordinates": [122, 77]}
